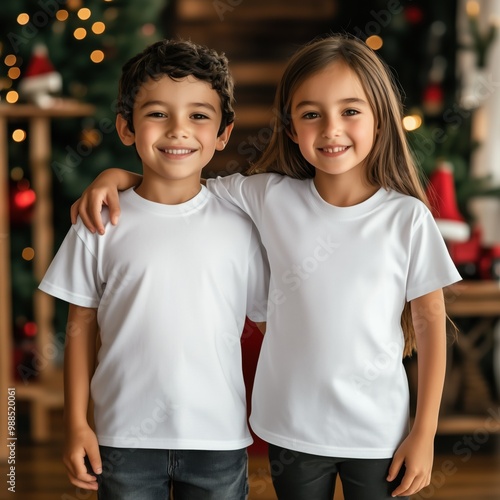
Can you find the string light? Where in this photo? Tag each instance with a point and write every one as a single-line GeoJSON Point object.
{"type": "Point", "coordinates": [80, 33]}
{"type": "Point", "coordinates": [412, 122]}
{"type": "Point", "coordinates": [17, 173]}
{"type": "Point", "coordinates": [97, 56]}
{"type": "Point", "coordinates": [92, 136]}
{"type": "Point", "coordinates": [98, 28]}
{"type": "Point", "coordinates": [14, 73]}
{"type": "Point", "coordinates": [19, 135]}
{"type": "Point", "coordinates": [84, 14]}
{"type": "Point", "coordinates": [28, 253]}
{"type": "Point", "coordinates": [23, 19]}
{"type": "Point", "coordinates": [10, 60]}
{"type": "Point", "coordinates": [62, 15]}
{"type": "Point", "coordinates": [472, 8]}
{"type": "Point", "coordinates": [374, 42]}
{"type": "Point", "coordinates": [12, 97]}
{"type": "Point", "coordinates": [73, 4]}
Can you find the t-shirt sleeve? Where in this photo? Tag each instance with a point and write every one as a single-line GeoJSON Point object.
{"type": "Point", "coordinates": [247, 193]}
{"type": "Point", "coordinates": [430, 266]}
{"type": "Point", "coordinates": [258, 281]}
{"type": "Point", "coordinates": [72, 275]}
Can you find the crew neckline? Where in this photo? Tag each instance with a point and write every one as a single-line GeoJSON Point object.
{"type": "Point", "coordinates": [346, 212]}
{"type": "Point", "coordinates": [192, 205]}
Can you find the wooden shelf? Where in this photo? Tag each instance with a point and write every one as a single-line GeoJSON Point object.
{"type": "Point", "coordinates": [479, 301]}
{"type": "Point", "coordinates": [468, 424]}
{"type": "Point", "coordinates": [473, 298]}
{"type": "Point", "coordinates": [46, 393]}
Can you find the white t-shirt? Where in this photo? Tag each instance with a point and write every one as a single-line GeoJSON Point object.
{"type": "Point", "coordinates": [330, 379]}
{"type": "Point", "coordinates": [172, 284]}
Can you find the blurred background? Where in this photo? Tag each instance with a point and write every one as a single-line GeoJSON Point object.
{"type": "Point", "coordinates": [59, 66]}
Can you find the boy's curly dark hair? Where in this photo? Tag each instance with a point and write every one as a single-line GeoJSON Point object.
{"type": "Point", "coordinates": [176, 59]}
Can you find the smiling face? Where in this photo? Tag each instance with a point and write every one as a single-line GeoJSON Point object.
{"type": "Point", "coordinates": [333, 123]}
{"type": "Point", "coordinates": [175, 129]}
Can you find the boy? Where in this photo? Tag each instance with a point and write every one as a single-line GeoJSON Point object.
{"type": "Point", "coordinates": [169, 289]}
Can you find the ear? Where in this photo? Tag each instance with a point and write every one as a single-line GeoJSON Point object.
{"type": "Point", "coordinates": [126, 136]}
{"type": "Point", "coordinates": [290, 132]}
{"type": "Point", "coordinates": [224, 137]}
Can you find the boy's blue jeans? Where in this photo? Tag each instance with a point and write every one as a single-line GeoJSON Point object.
{"type": "Point", "coordinates": [149, 474]}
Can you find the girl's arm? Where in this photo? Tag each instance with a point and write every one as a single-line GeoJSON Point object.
{"type": "Point", "coordinates": [79, 365]}
{"type": "Point", "coordinates": [417, 450]}
{"type": "Point", "coordinates": [103, 191]}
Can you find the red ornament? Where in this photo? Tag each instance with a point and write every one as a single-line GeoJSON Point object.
{"type": "Point", "coordinates": [433, 99]}
{"type": "Point", "coordinates": [24, 199]}
{"type": "Point", "coordinates": [22, 202]}
{"type": "Point", "coordinates": [433, 93]}
{"type": "Point", "coordinates": [413, 14]}
{"type": "Point", "coordinates": [30, 329]}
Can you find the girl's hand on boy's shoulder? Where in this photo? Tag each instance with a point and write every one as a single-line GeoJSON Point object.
{"type": "Point", "coordinates": [101, 192]}
{"type": "Point", "coordinates": [416, 454]}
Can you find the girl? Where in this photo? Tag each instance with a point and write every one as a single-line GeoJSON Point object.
{"type": "Point", "coordinates": [357, 268]}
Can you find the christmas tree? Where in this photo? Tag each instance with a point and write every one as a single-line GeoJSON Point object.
{"type": "Point", "coordinates": [83, 44]}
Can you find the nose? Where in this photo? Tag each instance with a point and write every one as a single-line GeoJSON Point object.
{"type": "Point", "coordinates": [177, 128]}
{"type": "Point", "coordinates": [333, 127]}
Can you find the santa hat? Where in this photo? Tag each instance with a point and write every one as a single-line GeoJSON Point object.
{"type": "Point", "coordinates": [40, 78]}
{"type": "Point", "coordinates": [443, 202]}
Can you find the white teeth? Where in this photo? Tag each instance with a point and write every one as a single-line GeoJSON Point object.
{"type": "Point", "coordinates": [336, 149]}
{"type": "Point", "coordinates": [178, 151]}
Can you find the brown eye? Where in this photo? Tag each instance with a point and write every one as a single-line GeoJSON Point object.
{"type": "Point", "coordinates": [310, 116]}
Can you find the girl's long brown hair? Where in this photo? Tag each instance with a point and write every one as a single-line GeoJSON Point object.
{"type": "Point", "coordinates": [389, 164]}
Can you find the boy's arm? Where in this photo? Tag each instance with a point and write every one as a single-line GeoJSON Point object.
{"type": "Point", "coordinates": [79, 366]}
{"type": "Point", "coordinates": [103, 191]}
{"type": "Point", "coordinates": [417, 450]}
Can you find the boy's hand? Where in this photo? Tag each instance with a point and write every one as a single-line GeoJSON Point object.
{"type": "Point", "coordinates": [79, 444]}
{"type": "Point", "coordinates": [102, 191]}
{"type": "Point", "coordinates": [416, 453]}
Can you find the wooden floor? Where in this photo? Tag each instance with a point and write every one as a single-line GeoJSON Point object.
{"type": "Point", "coordinates": [466, 468]}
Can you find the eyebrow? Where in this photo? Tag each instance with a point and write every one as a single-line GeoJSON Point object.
{"type": "Point", "coordinates": [191, 105]}
{"type": "Point", "coordinates": [347, 100]}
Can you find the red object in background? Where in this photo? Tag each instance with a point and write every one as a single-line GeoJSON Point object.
{"type": "Point", "coordinates": [467, 251]}
{"type": "Point", "coordinates": [21, 203]}
{"type": "Point", "coordinates": [413, 14]}
{"type": "Point", "coordinates": [443, 203]}
{"type": "Point", "coordinates": [433, 93]}
{"type": "Point", "coordinates": [473, 260]}
{"type": "Point", "coordinates": [251, 341]}
{"type": "Point", "coordinates": [24, 199]}
{"type": "Point", "coordinates": [39, 63]}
